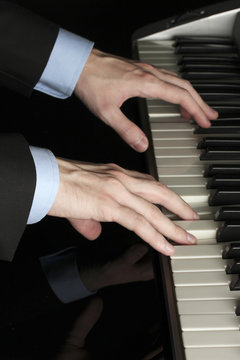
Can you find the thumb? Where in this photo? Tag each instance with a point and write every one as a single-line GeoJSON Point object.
{"type": "Point", "coordinates": [128, 131]}
{"type": "Point", "coordinates": [91, 229]}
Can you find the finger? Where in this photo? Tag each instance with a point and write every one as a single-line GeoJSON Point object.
{"type": "Point", "coordinates": [128, 131]}
{"type": "Point", "coordinates": [182, 83]}
{"type": "Point", "coordinates": [155, 192]}
{"type": "Point", "coordinates": [156, 218]}
{"type": "Point", "coordinates": [91, 229]}
{"type": "Point", "coordinates": [137, 223]}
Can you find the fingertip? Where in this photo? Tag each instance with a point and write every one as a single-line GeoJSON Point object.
{"type": "Point", "coordinates": [141, 145]}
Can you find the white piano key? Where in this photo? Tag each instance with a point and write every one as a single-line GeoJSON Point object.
{"type": "Point", "coordinates": [185, 182]}
{"type": "Point", "coordinates": [180, 172]}
{"type": "Point", "coordinates": [222, 353]}
{"type": "Point", "coordinates": [198, 265]}
{"type": "Point", "coordinates": [209, 322]}
{"type": "Point", "coordinates": [177, 153]}
{"type": "Point", "coordinates": [176, 144]}
{"type": "Point", "coordinates": [193, 194]}
{"type": "Point", "coordinates": [202, 229]}
{"type": "Point", "coordinates": [198, 252]}
{"type": "Point", "coordinates": [201, 278]}
{"type": "Point", "coordinates": [196, 339]}
{"type": "Point", "coordinates": [200, 307]}
{"type": "Point", "coordinates": [168, 127]}
{"type": "Point", "coordinates": [172, 135]}
{"type": "Point", "coordinates": [192, 293]}
{"type": "Point", "coordinates": [189, 162]}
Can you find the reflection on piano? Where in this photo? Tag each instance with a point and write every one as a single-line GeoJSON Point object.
{"type": "Point", "coordinates": [200, 285]}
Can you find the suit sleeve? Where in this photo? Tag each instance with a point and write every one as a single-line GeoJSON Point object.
{"type": "Point", "coordinates": [17, 186]}
{"type": "Point", "coordinates": [26, 42]}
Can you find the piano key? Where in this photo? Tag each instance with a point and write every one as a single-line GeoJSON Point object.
{"type": "Point", "coordinates": [180, 172]}
{"type": "Point", "coordinates": [203, 40]}
{"type": "Point", "coordinates": [223, 87]}
{"type": "Point", "coordinates": [199, 265]}
{"type": "Point", "coordinates": [205, 48]}
{"type": "Point", "coordinates": [222, 169]}
{"type": "Point", "coordinates": [209, 322]}
{"type": "Point", "coordinates": [201, 278]}
{"type": "Point", "coordinates": [224, 196]}
{"type": "Point", "coordinates": [228, 231]}
{"type": "Point", "coordinates": [184, 182]}
{"type": "Point", "coordinates": [221, 339]}
{"type": "Point", "coordinates": [193, 293]}
{"type": "Point", "coordinates": [198, 252]}
{"type": "Point", "coordinates": [223, 181]}
{"type": "Point", "coordinates": [235, 284]}
{"type": "Point", "coordinates": [210, 75]}
{"type": "Point", "coordinates": [215, 141]}
{"type": "Point", "coordinates": [175, 153]}
{"type": "Point", "coordinates": [176, 144]}
{"type": "Point", "coordinates": [220, 153]}
{"type": "Point", "coordinates": [233, 266]}
{"type": "Point", "coordinates": [207, 59]}
{"type": "Point", "coordinates": [199, 307]}
{"type": "Point", "coordinates": [222, 353]}
{"type": "Point", "coordinates": [231, 251]}
{"type": "Point", "coordinates": [218, 130]}
{"type": "Point", "coordinates": [201, 229]}
{"type": "Point", "coordinates": [208, 67]}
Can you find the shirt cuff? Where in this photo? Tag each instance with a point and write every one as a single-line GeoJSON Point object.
{"type": "Point", "coordinates": [65, 65]}
{"type": "Point", "coordinates": [62, 273]}
{"type": "Point", "coordinates": [47, 183]}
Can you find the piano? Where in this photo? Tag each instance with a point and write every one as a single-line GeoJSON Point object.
{"type": "Point", "coordinates": [199, 286]}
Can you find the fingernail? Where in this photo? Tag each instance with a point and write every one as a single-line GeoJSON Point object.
{"type": "Point", "coordinates": [191, 239]}
{"type": "Point", "coordinates": [142, 145]}
{"type": "Point", "coordinates": [169, 249]}
{"type": "Point", "coordinates": [196, 216]}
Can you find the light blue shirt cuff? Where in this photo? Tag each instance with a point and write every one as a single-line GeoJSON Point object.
{"type": "Point", "coordinates": [47, 183]}
{"type": "Point", "coordinates": [62, 273]}
{"type": "Point", "coordinates": [65, 65]}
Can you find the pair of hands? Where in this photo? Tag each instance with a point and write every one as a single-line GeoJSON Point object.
{"type": "Point", "coordinates": [92, 193]}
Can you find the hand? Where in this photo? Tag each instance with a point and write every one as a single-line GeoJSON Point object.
{"type": "Point", "coordinates": [91, 193]}
{"type": "Point", "coordinates": [74, 345]}
{"type": "Point", "coordinates": [107, 81]}
{"type": "Point", "coordinates": [128, 267]}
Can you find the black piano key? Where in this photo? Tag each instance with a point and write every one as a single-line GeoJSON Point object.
{"type": "Point", "coordinates": [223, 181]}
{"type": "Point", "coordinates": [209, 67]}
{"type": "Point", "coordinates": [215, 141]}
{"type": "Point", "coordinates": [235, 284]}
{"type": "Point", "coordinates": [226, 122]}
{"type": "Point", "coordinates": [210, 75]}
{"type": "Point", "coordinates": [229, 231]}
{"type": "Point", "coordinates": [233, 266]}
{"type": "Point", "coordinates": [231, 251]}
{"type": "Point", "coordinates": [208, 59]}
{"type": "Point", "coordinates": [220, 96]}
{"type": "Point", "coordinates": [216, 87]}
{"type": "Point", "coordinates": [228, 213]}
{"type": "Point", "coordinates": [225, 196]}
{"type": "Point", "coordinates": [220, 153]}
{"type": "Point", "coordinates": [206, 49]}
{"type": "Point", "coordinates": [218, 130]}
{"type": "Point", "coordinates": [215, 169]}
{"type": "Point", "coordinates": [203, 40]}
{"type": "Point", "coordinates": [237, 311]}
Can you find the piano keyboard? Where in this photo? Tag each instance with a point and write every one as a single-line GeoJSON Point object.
{"type": "Point", "coordinates": [203, 167]}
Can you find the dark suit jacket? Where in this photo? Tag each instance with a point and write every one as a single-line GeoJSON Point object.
{"type": "Point", "coordinates": [26, 41]}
